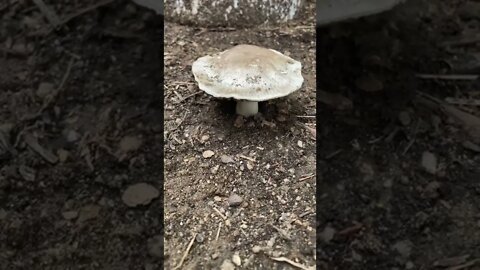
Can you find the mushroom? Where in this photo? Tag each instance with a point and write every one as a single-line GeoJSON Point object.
{"type": "Point", "coordinates": [249, 74]}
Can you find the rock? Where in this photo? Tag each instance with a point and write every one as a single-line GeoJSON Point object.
{"type": "Point", "coordinates": [69, 215]}
{"type": "Point", "coordinates": [62, 155]}
{"type": "Point", "coordinates": [155, 246]}
{"type": "Point", "coordinates": [71, 135]}
{"type": "Point", "coordinates": [214, 170]}
{"type": "Point", "coordinates": [130, 143]}
{"type": "Point", "coordinates": [139, 194]}
{"type": "Point", "coordinates": [199, 238]}
{"type": "Point", "coordinates": [356, 256]}
{"type": "Point", "coordinates": [227, 265]}
{"type": "Point", "coordinates": [236, 259]}
{"type": "Point", "coordinates": [300, 144]}
{"type": "Point", "coordinates": [88, 212]}
{"type": "Point", "coordinates": [208, 154]}
{"type": "Point", "coordinates": [44, 89]}
{"type": "Point", "coordinates": [204, 138]}
{"type": "Point", "coordinates": [429, 162]}
{"type": "Point", "coordinates": [234, 200]}
{"type": "Point", "coordinates": [28, 173]}
{"type": "Point", "coordinates": [256, 249]}
{"type": "Point", "coordinates": [404, 248]}
{"type": "Point", "coordinates": [327, 234]}
{"type": "Point", "coordinates": [226, 159]}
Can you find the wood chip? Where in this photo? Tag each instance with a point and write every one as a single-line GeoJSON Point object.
{"type": "Point", "coordinates": [292, 263]}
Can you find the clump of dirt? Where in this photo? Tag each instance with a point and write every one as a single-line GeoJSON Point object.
{"type": "Point", "coordinates": [398, 157]}
{"type": "Point", "coordinates": [238, 192]}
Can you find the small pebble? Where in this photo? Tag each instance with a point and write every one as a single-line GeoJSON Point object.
{"type": "Point", "coordinates": [205, 138]}
{"type": "Point", "coordinates": [300, 144]}
{"type": "Point", "coordinates": [404, 118]}
{"type": "Point", "coordinates": [199, 238]}
{"type": "Point", "coordinates": [256, 249]}
{"type": "Point", "coordinates": [69, 215]}
{"type": "Point", "coordinates": [227, 265]}
{"type": "Point", "coordinates": [429, 162]}
{"type": "Point", "coordinates": [234, 200]}
{"type": "Point", "coordinates": [226, 159]}
{"type": "Point", "coordinates": [208, 154]}
{"type": "Point", "coordinates": [44, 89]}
{"type": "Point", "coordinates": [327, 234]}
{"type": "Point", "coordinates": [404, 248]}
{"type": "Point", "coordinates": [236, 259]}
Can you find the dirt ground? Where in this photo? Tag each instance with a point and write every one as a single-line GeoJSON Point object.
{"type": "Point", "coordinates": [254, 199]}
{"type": "Point", "coordinates": [399, 164]}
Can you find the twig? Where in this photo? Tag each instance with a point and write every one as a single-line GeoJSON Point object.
{"type": "Point", "coordinates": [463, 41]}
{"type": "Point", "coordinates": [462, 77]}
{"type": "Point", "coordinates": [298, 265]}
{"type": "Point", "coordinates": [352, 229]}
{"type": "Point", "coordinates": [73, 16]}
{"type": "Point", "coordinates": [85, 10]}
{"type": "Point", "coordinates": [186, 252]}
{"type": "Point", "coordinates": [247, 158]}
{"type": "Point", "coordinates": [186, 97]}
{"type": "Point", "coordinates": [462, 101]}
{"type": "Point", "coordinates": [307, 177]}
{"type": "Point", "coordinates": [51, 98]}
{"type": "Point", "coordinates": [51, 16]}
{"type": "Point", "coordinates": [220, 213]}
{"type": "Point", "coordinates": [331, 155]}
{"type": "Point", "coordinates": [412, 141]}
{"type": "Point", "coordinates": [218, 231]}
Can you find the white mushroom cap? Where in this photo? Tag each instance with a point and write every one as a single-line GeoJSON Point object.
{"type": "Point", "coordinates": [247, 72]}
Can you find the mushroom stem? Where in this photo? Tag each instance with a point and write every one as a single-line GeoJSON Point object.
{"type": "Point", "coordinates": [247, 108]}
